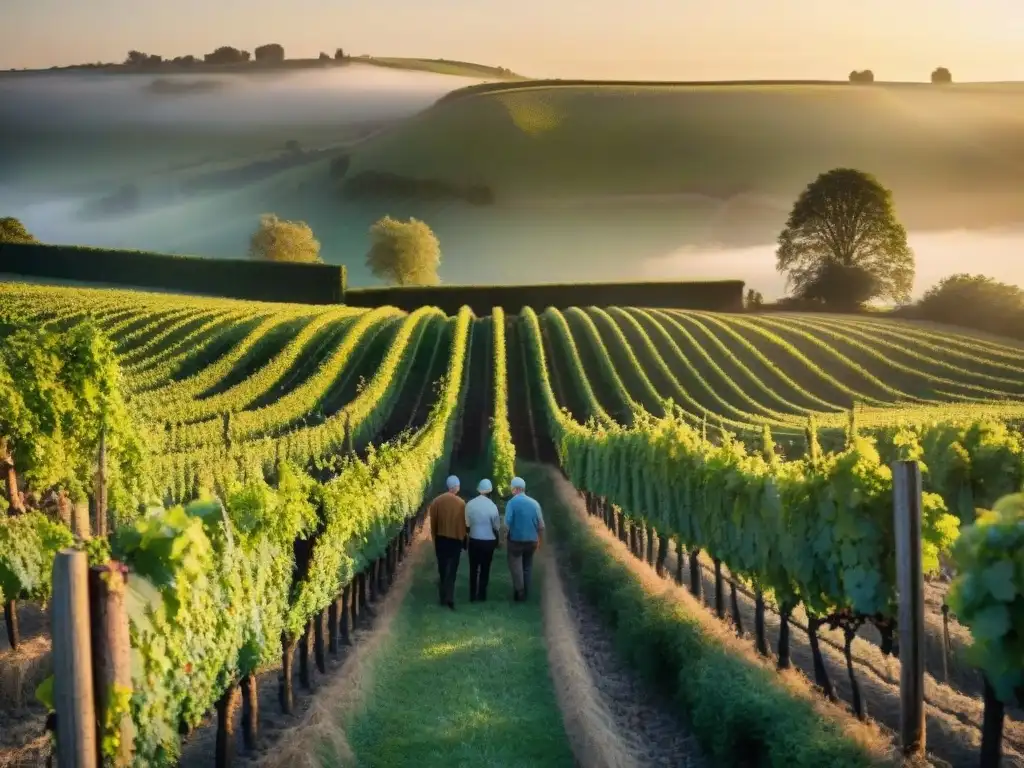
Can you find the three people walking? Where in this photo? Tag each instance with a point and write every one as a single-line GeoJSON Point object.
{"type": "Point", "coordinates": [484, 529]}
{"type": "Point", "coordinates": [456, 525]}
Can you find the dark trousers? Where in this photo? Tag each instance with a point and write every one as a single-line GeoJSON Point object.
{"type": "Point", "coordinates": [520, 563]}
{"type": "Point", "coordinates": [449, 552]}
{"type": "Point", "coordinates": [481, 552]}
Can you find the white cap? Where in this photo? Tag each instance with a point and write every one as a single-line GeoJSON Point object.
{"type": "Point", "coordinates": [485, 486]}
{"type": "Point", "coordinates": [453, 482]}
{"type": "Point", "coordinates": [518, 482]}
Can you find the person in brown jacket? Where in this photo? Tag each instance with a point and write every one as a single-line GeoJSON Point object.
{"type": "Point", "coordinates": [448, 529]}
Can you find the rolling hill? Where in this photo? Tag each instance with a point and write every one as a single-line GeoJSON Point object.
{"type": "Point", "coordinates": [762, 141]}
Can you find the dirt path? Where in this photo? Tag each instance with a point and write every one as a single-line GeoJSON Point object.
{"type": "Point", "coordinates": [613, 719]}
{"type": "Point", "coordinates": [953, 720]}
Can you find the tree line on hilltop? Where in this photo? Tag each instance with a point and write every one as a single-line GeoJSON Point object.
{"type": "Point", "coordinates": [269, 54]}
{"type": "Point", "coordinates": [940, 76]}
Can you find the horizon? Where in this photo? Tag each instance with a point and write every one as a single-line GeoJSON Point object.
{"type": "Point", "coordinates": [802, 40]}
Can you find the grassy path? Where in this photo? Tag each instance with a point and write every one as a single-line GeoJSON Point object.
{"type": "Point", "coordinates": [469, 687]}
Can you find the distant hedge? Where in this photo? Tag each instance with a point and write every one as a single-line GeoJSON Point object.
{"type": "Point", "coordinates": [231, 278]}
{"type": "Point", "coordinates": [721, 295]}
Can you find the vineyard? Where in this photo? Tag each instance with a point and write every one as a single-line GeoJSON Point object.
{"type": "Point", "coordinates": [258, 472]}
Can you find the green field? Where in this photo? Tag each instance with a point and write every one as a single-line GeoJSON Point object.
{"type": "Point", "coordinates": [305, 441]}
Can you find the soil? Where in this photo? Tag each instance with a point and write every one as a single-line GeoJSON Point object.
{"type": "Point", "coordinates": [24, 742]}
{"type": "Point", "coordinates": [650, 726]}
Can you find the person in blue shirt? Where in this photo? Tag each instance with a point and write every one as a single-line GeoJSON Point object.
{"type": "Point", "coordinates": [525, 525]}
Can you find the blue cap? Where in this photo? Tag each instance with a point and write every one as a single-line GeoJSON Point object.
{"type": "Point", "coordinates": [485, 486]}
{"type": "Point", "coordinates": [519, 483]}
{"type": "Point", "coordinates": [453, 482]}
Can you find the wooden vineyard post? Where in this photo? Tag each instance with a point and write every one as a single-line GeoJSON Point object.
{"type": "Point", "coordinates": [72, 662]}
{"type": "Point", "coordinates": [373, 581]}
{"type": "Point", "coordinates": [111, 659]}
{"type": "Point", "coordinates": [227, 704]}
{"type": "Point", "coordinates": [332, 626]}
{"type": "Point", "coordinates": [343, 629]}
{"type": "Point", "coordinates": [991, 728]}
{"type": "Point", "coordinates": [250, 711]}
{"type": "Point", "coordinates": [362, 591]}
{"type": "Point", "coordinates": [286, 692]}
{"type": "Point", "coordinates": [305, 645]}
{"type": "Point", "coordinates": [319, 644]}
{"type": "Point", "coordinates": [906, 485]}
{"type": "Point", "coordinates": [80, 520]}
{"type": "Point", "coordinates": [719, 589]}
{"type": "Point", "coordinates": [100, 524]}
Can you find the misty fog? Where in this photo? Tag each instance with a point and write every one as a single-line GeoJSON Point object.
{"type": "Point", "coordinates": [67, 140]}
{"type": "Point", "coordinates": [52, 125]}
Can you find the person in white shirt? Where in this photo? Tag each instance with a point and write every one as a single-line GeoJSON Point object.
{"type": "Point", "coordinates": [484, 524]}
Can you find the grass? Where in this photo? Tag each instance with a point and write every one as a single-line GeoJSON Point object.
{"type": "Point", "coordinates": [594, 140]}
{"type": "Point", "coordinates": [464, 688]}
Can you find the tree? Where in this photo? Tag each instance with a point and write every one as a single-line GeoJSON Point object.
{"type": "Point", "coordinates": [405, 252]}
{"type": "Point", "coordinates": [864, 76]}
{"type": "Point", "coordinates": [324, 56]}
{"type": "Point", "coordinates": [975, 301]}
{"type": "Point", "coordinates": [271, 53]}
{"type": "Point", "coordinates": [227, 55]}
{"type": "Point", "coordinates": [942, 76]}
{"type": "Point", "coordinates": [845, 218]}
{"type": "Point", "coordinates": [840, 286]}
{"type": "Point", "coordinates": [754, 300]}
{"type": "Point", "coordinates": [13, 231]}
{"type": "Point", "coordinates": [339, 54]}
{"type": "Point", "coordinates": [279, 240]}
{"type": "Point", "coordinates": [140, 59]}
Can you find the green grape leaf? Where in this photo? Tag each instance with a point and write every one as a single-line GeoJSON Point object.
{"type": "Point", "coordinates": [991, 623]}
{"type": "Point", "coordinates": [44, 693]}
{"type": "Point", "coordinates": [999, 580]}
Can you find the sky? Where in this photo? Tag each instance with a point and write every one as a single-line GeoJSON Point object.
{"type": "Point", "coordinates": [627, 39]}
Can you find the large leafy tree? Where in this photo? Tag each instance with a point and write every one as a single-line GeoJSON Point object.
{"type": "Point", "coordinates": [279, 240]}
{"type": "Point", "coordinates": [13, 231]}
{"type": "Point", "coordinates": [404, 252]}
{"type": "Point", "coordinates": [844, 222]}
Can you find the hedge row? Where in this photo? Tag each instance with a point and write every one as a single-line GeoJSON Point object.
{"type": "Point", "coordinates": [739, 710]}
{"type": "Point", "coordinates": [721, 295]}
{"type": "Point", "coordinates": [231, 278]}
